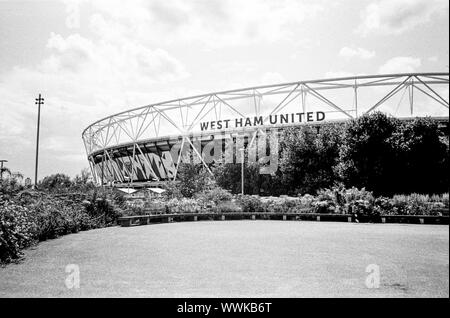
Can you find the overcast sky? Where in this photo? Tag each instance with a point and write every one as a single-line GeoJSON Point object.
{"type": "Point", "coordinates": [91, 59]}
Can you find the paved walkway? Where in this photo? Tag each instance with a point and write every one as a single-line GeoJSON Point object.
{"type": "Point", "coordinates": [238, 259]}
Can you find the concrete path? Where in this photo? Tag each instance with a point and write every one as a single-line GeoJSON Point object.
{"type": "Point", "coordinates": [238, 259]}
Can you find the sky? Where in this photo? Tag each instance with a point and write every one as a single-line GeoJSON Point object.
{"type": "Point", "coordinates": [91, 59]}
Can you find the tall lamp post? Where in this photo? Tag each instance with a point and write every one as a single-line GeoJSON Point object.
{"type": "Point", "coordinates": [39, 102]}
{"type": "Point", "coordinates": [1, 168]}
{"type": "Point", "coordinates": [242, 150]}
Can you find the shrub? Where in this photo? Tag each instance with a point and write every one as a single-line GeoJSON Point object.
{"type": "Point", "coordinates": [215, 195]}
{"type": "Point", "coordinates": [55, 217]}
{"type": "Point", "coordinates": [16, 230]}
{"type": "Point", "coordinates": [324, 206]}
{"type": "Point", "coordinates": [184, 205]}
{"type": "Point", "coordinates": [227, 206]}
{"type": "Point", "coordinates": [172, 190]}
{"type": "Point", "coordinates": [306, 201]}
{"type": "Point", "coordinates": [155, 206]}
{"type": "Point", "coordinates": [193, 178]}
{"type": "Point", "coordinates": [250, 203]}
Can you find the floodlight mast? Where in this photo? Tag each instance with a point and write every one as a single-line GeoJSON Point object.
{"type": "Point", "coordinates": [39, 102]}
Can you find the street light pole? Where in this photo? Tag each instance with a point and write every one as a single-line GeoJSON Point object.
{"type": "Point", "coordinates": [1, 168]}
{"type": "Point", "coordinates": [39, 102]}
{"type": "Point", "coordinates": [242, 170]}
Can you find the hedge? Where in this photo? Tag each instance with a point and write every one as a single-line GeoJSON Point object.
{"type": "Point", "coordinates": [30, 217]}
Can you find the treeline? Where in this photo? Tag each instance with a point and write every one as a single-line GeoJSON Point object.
{"type": "Point", "coordinates": [376, 152]}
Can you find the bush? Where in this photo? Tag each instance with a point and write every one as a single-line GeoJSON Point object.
{"type": "Point", "coordinates": [56, 216]}
{"type": "Point", "coordinates": [227, 206]}
{"type": "Point", "coordinates": [193, 178]}
{"type": "Point", "coordinates": [16, 230]}
{"type": "Point", "coordinates": [215, 195]}
{"type": "Point", "coordinates": [419, 204]}
{"type": "Point", "coordinates": [31, 216]}
{"type": "Point", "coordinates": [184, 205]}
{"type": "Point", "coordinates": [250, 203]}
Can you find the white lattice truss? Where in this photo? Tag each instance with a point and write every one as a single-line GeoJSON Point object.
{"type": "Point", "coordinates": [134, 145]}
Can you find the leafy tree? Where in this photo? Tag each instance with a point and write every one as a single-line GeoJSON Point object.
{"type": "Point", "coordinates": [58, 181]}
{"type": "Point", "coordinates": [10, 186]}
{"type": "Point", "coordinates": [388, 156]}
{"type": "Point", "coordinates": [421, 151]}
{"type": "Point", "coordinates": [308, 157]}
{"type": "Point", "coordinates": [229, 176]}
{"type": "Point", "coordinates": [193, 178]}
{"type": "Point", "coordinates": [83, 181]}
{"type": "Point", "coordinates": [367, 157]}
{"type": "Point", "coordinates": [4, 170]}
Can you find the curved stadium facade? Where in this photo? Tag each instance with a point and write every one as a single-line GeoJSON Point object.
{"type": "Point", "coordinates": [144, 146]}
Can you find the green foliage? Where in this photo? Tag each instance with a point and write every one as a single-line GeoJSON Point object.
{"type": "Point", "coordinates": [250, 203]}
{"type": "Point", "coordinates": [184, 205]}
{"type": "Point", "coordinates": [347, 201]}
{"type": "Point", "coordinates": [172, 190]}
{"type": "Point", "coordinates": [28, 216]}
{"type": "Point", "coordinates": [367, 158]}
{"type": "Point", "coordinates": [376, 152]}
{"type": "Point", "coordinates": [214, 195]}
{"type": "Point", "coordinates": [16, 230]}
{"type": "Point", "coordinates": [388, 156]}
{"type": "Point", "coordinates": [307, 158]}
{"type": "Point", "coordinates": [193, 178]}
{"type": "Point", "coordinates": [55, 182]}
{"type": "Point", "coordinates": [227, 206]}
{"type": "Point", "coordinates": [418, 204]}
{"type": "Point", "coordinates": [421, 158]}
{"type": "Point", "coordinates": [103, 207]}
{"type": "Point", "coordinates": [10, 187]}
{"type": "Point", "coordinates": [229, 176]}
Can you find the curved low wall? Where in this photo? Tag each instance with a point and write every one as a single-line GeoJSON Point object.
{"type": "Point", "coordinates": [189, 217]}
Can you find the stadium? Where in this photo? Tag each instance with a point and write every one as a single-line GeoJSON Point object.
{"type": "Point", "coordinates": [144, 146]}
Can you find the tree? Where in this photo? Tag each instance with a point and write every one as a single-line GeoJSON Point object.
{"type": "Point", "coordinates": [56, 181]}
{"type": "Point", "coordinates": [10, 185]}
{"type": "Point", "coordinates": [83, 181]}
{"type": "Point", "coordinates": [422, 157]}
{"type": "Point", "coordinates": [229, 176]}
{"type": "Point", "coordinates": [308, 157]}
{"type": "Point", "coordinates": [4, 170]}
{"type": "Point", "coordinates": [388, 156]}
{"type": "Point", "coordinates": [367, 157]}
{"type": "Point", "coordinates": [193, 178]}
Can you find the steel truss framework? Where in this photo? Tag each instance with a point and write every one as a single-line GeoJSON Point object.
{"type": "Point", "coordinates": [135, 145]}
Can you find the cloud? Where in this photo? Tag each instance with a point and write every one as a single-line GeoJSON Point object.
{"type": "Point", "coordinates": [400, 64]}
{"type": "Point", "coordinates": [398, 16]}
{"type": "Point", "coordinates": [82, 78]}
{"type": "Point", "coordinates": [351, 52]}
{"type": "Point", "coordinates": [272, 78]}
{"type": "Point", "coordinates": [337, 74]}
{"type": "Point", "coordinates": [211, 23]}
{"type": "Point", "coordinates": [69, 54]}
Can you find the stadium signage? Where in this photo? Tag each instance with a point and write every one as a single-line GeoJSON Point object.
{"type": "Point", "coordinates": [281, 119]}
